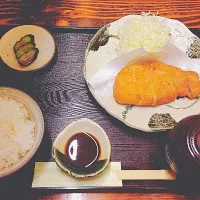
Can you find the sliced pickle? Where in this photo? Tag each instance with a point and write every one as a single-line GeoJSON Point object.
{"type": "Point", "coordinates": [29, 57]}
{"type": "Point", "coordinates": [23, 40]}
{"type": "Point", "coordinates": [23, 49]}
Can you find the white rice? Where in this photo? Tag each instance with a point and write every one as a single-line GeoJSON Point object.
{"type": "Point", "coordinates": [16, 132]}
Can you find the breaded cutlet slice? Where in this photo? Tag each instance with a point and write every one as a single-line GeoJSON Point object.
{"type": "Point", "coordinates": [178, 76]}
{"type": "Point", "coordinates": [143, 82]}
{"type": "Point", "coordinates": [161, 83]}
{"type": "Point", "coordinates": [125, 89]}
{"type": "Point", "coordinates": [180, 81]}
{"type": "Point", "coordinates": [194, 84]}
{"type": "Point", "coordinates": [163, 89]}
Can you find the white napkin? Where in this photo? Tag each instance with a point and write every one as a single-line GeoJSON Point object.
{"type": "Point", "coordinates": [48, 174]}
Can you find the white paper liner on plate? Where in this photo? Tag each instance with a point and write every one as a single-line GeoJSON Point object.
{"type": "Point", "coordinates": [102, 82]}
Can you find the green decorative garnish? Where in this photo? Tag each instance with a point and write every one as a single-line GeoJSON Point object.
{"type": "Point", "coordinates": [160, 121]}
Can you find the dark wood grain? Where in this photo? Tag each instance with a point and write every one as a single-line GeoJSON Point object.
{"type": "Point", "coordinates": [84, 13]}
{"type": "Point", "coordinates": [112, 196]}
{"type": "Point", "coordinates": [63, 96]}
{"type": "Point", "coordinates": [94, 13]}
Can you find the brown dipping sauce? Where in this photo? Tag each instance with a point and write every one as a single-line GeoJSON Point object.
{"type": "Point", "coordinates": [82, 150]}
{"type": "Point", "coordinates": [183, 147]}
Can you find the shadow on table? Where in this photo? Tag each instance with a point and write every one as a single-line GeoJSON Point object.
{"type": "Point", "coordinates": [18, 185]}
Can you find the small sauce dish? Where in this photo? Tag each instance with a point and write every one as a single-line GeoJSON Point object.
{"type": "Point", "coordinates": [82, 149]}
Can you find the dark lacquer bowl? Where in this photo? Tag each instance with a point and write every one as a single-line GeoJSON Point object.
{"type": "Point", "coordinates": [183, 147]}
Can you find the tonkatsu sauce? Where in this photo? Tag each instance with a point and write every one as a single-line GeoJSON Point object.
{"type": "Point", "coordinates": [82, 150]}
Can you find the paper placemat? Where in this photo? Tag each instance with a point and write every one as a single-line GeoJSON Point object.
{"type": "Point", "coordinates": [48, 174]}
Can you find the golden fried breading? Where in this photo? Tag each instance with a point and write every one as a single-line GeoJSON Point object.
{"type": "Point", "coordinates": [154, 83]}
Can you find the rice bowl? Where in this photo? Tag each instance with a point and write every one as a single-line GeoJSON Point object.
{"type": "Point", "coordinates": [21, 129]}
{"type": "Point", "coordinates": [16, 131]}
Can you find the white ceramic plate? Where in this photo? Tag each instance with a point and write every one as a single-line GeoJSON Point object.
{"type": "Point", "coordinates": [43, 40]}
{"type": "Point", "coordinates": [104, 47]}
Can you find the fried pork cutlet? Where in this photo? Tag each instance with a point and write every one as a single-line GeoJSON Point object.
{"type": "Point", "coordinates": [154, 83]}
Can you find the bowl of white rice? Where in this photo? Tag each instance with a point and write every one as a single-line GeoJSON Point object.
{"type": "Point", "coordinates": [21, 129]}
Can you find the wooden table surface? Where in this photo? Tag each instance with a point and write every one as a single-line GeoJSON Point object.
{"type": "Point", "coordinates": [96, 13]}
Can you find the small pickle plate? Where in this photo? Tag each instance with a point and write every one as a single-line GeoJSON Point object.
{"type": "Point", "coordinates": [104, 47]}
{"type": "Point", "coordinates": [43, 40]}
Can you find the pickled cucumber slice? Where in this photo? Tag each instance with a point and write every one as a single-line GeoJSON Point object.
{"type": "Point", "coordinates": [29, 57]}
{"type": "Point", "coordinates": [23, 40]}
{"type": "Point", "coordinates": [23, 49]}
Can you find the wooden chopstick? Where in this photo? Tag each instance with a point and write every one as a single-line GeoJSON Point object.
{"type": "Point", "coordinates": [145, 174]}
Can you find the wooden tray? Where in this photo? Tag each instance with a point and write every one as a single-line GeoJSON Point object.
{"type": "Point", "coordinates": [63, 96]}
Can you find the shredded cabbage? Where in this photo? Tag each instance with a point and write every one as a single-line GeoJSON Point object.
{"type": "Point", "coordinates": [146, 31]}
